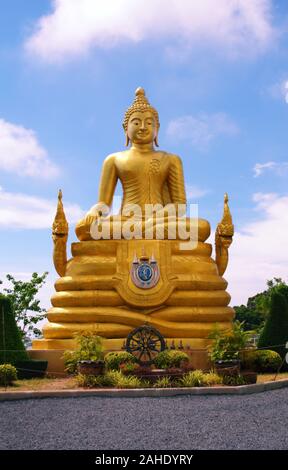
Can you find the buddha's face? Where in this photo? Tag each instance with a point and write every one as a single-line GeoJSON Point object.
{"type": "Point", "coordinates": [142, 128]}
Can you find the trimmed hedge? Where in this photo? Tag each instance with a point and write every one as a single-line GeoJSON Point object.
{"type": "Point", "coordinates": [261, 360]}
{"type": "Point", "coordinates": [11, 346]}
{"type": "Point", "coordinates": [170, 358]}
{"type": "Point", "coordinates": [114, 359]}
{"type": "Point", "coordinates": [275, 332]}
{"type": "Point", "coordinates": [8, 374]}
{"type": "Point", "coordinates": [32, 368]}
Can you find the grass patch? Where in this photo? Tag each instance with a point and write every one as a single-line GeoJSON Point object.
{"type": "Point", "coordinates": [44, 384]}
{"type": "Point", "coordinates": [261, 378]}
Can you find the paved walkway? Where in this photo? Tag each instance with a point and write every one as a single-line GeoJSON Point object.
{"type": "Point", "coordinates": [186, 422]}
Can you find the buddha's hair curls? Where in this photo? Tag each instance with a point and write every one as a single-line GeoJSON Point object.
{"type": "Point", "coordinates": [141, 104]}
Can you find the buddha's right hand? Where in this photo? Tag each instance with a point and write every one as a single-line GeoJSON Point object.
{"type": "Point", "coordinates": [91, 218]}
{"type": "Point", "coordinates": [96, 212]}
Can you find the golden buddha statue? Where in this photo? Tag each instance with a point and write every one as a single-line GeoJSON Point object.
{"type": "Point", "coordinates": [113, 284]}
{"type": "Point", "coordinates": [148, 177]}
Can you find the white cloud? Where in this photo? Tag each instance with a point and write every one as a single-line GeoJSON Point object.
{"type": "Point", "coordinates": [279, 90]}
{"type": "Point", "coordinates": [74, 27]}
{"type": "Point", "coordinates": [202, 129]}
{"type": "Point", "coordinates": [20, 211]}
{"type": "Point", "coordinates": [260, 167]}
{"type": "Point", "coordinates": [259, 250]}
{"type": "Point", "coordinates": [21, 153]}
{"type": "Point", "coordinates": [280, 169]}
{"type": "Point", "coordinates": [194, 192]}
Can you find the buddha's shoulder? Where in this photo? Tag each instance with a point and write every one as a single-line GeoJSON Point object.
{"type": "Point", "coordinates": [171, 157]}
{"type": "Point", "coordinates": [116, 155]}
{"type": "Point", "coordinates": [159, 154]}
{"type": "Point", "coordinates": [113, 157]}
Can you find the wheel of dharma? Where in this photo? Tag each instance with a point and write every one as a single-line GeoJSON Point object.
{"type": "Point", "coordinates": [145, 343]}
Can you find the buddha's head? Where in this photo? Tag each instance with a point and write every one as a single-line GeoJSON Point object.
{"type": "Point", "coordinates": [141, 121]}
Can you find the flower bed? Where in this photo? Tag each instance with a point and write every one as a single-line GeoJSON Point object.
{"type": "Point", "coordinates": [153, 375]}
{"type": "Point", "coordinates": [70, 383]}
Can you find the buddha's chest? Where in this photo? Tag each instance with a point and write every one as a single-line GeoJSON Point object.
{"type": "Point", "coordinates": [143, 168]}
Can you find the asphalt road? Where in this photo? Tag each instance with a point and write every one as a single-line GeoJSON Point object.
{"type": "Point", "coordinates": [180, 423]}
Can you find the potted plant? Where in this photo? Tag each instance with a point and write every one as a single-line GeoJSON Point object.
{"type": "Point", "coordinates": [91, 367]}
{"type": "Point", "coordinates": [87, 359]}
{"type": "Point", "coordinates": [226, 346]}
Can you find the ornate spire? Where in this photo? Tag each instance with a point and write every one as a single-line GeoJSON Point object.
{"type": "Point", "coordinates": [60, 224]}
{"type": "Point", "coordinates": [223, 238]}
{"type": "Point", "coordinates": [141, 104]}
{"type": "Point", "coordinates": [60, 235]}
{"type": "Point", "coordinates": [226, 226]}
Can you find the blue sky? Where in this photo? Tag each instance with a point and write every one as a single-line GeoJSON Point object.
{"type": "Point", "coordinates": [218, 77]}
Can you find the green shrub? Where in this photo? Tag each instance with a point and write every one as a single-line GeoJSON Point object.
{"type": "Point", "coordinates": [145, 383]}
{"type": "Point", "coordinates": [170, 358]}
{"type": "Point", "coordinates": [128, 368]}
{"type": "Point", "coordinates": [118, 380]}
{"type": "Point", "coordinates": [31, 368]}
{"type": "Point", "coordinates": [89, 348]}
{"type": "Point", "coordinates": [233, 380]}
{"type": "Point", "coordinates": [93, 381]}
{"type": "Point", "coordinates": [196, 378]}
{"type": "Point", "coordinates": [110, 379]}
{"type": "Point", "coordinates": [70, 361]}
{"type": "Point", "coordinates": [163, 382]}
{"type": "Point", "coordinates": [268, 361]}
{"type": "Point", "coordinates": [261, 360]}
{"type": "Point", "coordinates": [114, 359]}
{"type": "Point", "coordinates": [226, 345]}
{"type": "Point", "coordinates": [275, 332]}
{"type": "Point", "coordinates": [11, 345]}
{"type": "Point", "coordinates": [211, 378]}
{"type": "Point", "coordinates": [89, 381]}
{"type": "Point", "coordinates": [8, 374]}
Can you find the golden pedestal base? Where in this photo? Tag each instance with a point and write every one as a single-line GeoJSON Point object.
{"type": "Point", "coordinates": [97, 294]}
{"type": "Point", "coordinates": [115, 344]}
{"type": "Point", "coordinates": [53, 350]}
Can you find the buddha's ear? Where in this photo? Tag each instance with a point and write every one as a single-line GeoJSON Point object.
{"type": "Point", "coordinates": [156, 135]}
{"type": "Point", "coordinates": [127, 140]}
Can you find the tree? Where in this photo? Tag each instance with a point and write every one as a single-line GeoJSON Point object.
{"type": "Point", "coordinates": [263, 301]}
{"type": "Point", "coordinates": [25, 306]}
{"type": "Point", "coordinates": [226, 345]}
{"type": "Point", "coordinates": [11, 344]}
{"type": "Point", "coordinates": [249, 317]}
{"type": "Point", "coordinates": [258, 307]}
{"type": "Point", "coordinates": [275, 332]}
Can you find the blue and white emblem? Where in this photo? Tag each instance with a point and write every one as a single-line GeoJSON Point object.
{"type": "Point", "coordinates": [145, 272]}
